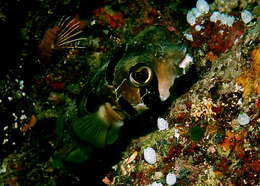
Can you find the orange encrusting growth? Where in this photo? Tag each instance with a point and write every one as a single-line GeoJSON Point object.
{"type": "Point", "coordinates": [250, 78]}
{"type": "Point", "coordinates": [30, 124]}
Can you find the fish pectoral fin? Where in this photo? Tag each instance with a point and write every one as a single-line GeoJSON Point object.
{"type": "Point", "coordinates": [79, 154]}
{"type": "Point", "coordinates": [112, 135]}
{"type": "Point", "coordinates": [99, 128]}
{"type": "Point", "coordinates": [92, 129]}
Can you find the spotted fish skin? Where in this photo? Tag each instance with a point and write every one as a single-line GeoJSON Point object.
{"type": "Point", "coordinates": [150, 63]}
{"type": "Point", "coordinates": [155, 49]}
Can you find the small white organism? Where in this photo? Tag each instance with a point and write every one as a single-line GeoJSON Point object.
{"type": "Point", "coordinates": [150, 155]}
{"type": "Point", "coordinates": [226, 19]}
{"type": "Point", "coordinates": [196, 12]}
{"type": "Point", "coordinates": [191, 19]}
{"type": "Point", "coordinates": [176, 133]}
{"type": "Point", "coordinates": [243, 119]}
{"type": "Point", "coordinates": [223, 18]}
{"type": "Point", "coordinates": [162, 124]}
{"type": "Point", "coordinates": [202, 6]}
{"type": "Point", "coordinates": [215, 16]}
{"type": "Point", "coordinates": [155, 184]}
{"type": "Point", "coordinates": [188, 36]}
{"type": "Point", "coordinates": [246, 16]}
{"type": "Point", "coordinates": [171, 179]}
{"type": "Point", "coordinates": [230, 20]}
{"type": "Point", "coordinates": [186, 62]}
{"type": "Point", "coordinates": [198, 28]}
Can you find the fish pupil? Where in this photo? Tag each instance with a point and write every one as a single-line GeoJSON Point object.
{"type": "Point", "coordinates": [141, 76]}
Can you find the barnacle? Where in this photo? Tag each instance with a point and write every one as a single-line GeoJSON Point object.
{"type": "Point", "coordinates": [62, 36]}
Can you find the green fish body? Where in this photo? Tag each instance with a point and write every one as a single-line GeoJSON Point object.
{"type": "Point", "coordinates": [151, 59]}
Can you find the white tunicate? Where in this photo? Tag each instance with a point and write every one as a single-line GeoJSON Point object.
{"type": "Point", "coordinates": [155, 184]}
{"type": "Point", "coordinates": [246, 16]}
{"type": "Point", "coordinates": [171, 179]}
{"type": "Point", "coordinates": [202, 6]}
{"type": "Point", "coordinates": [176, 133]}
{"type": "Point", "coordinates": [150, 155]}
{"type": "Point", "coordinates": [230, 20]}
{"type": "Point", "coordinates": [188, 36]}
{"type": "Point", "coordinates": [162, 124]}
{"type": "Point", "coordinates": [191, 19]}
{"type": "Point", "coordinates": [226, 19]}
{"type": "Point", "coordinates": [243, 119]}
{"type": "Point", "coordinates": [186, 62]}
{"type": "Point", "coordinates": [223, 19]}
{"type": "Point", "coordinates": [196, 12]}
{"type": "Point", "coordinates": [215, 17]}
{"type": "Point", "coordinates": [198, 28]}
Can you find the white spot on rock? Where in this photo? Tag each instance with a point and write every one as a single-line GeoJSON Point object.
{"type": "Point", "coordinates": [155, 184]}
{"type": "Point", "coordinates": [196, 12]}
{"type": "Point", "coordinates": [243, 119]}
{"type": "Point", "coordinates": [215, 17]}
{"type": "Point", "coordinates": [162, 124]}
{"type": "Point", "coordinates": [198, 28]}
{"type": "Point", "coordinates": [246, 16]}
{"type": "Point", "coordinates": [191, 19]}
{"type": "Point", "coordinates": [171, 179]}
{"type": "Point", "coordinates": [150, 155]}
{"type": "Point", "coordinates": [202, 6]}
{"type": "Point", "coordinates": [186, 62]}
{"type": "Point", "coordinates": [188, 36]}
{"type": "Point", "coordinates": [176, 133]}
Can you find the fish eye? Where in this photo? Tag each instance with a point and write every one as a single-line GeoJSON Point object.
{"type": "Point", "coordinates": [141, 76]}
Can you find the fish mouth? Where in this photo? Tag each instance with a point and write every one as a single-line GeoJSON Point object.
{"type": "Point", "coordinates": [165, 77]}
{"type": "Point", "coordinates": [168, 70]}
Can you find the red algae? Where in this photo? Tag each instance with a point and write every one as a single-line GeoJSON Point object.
{"type": "Point", "coordinates": [217, 36]}
{"type": "Point", "coordinates": [113, 19]}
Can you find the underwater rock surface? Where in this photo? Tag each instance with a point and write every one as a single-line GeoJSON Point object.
{"type": "Point", "coordinates": [60, 93]}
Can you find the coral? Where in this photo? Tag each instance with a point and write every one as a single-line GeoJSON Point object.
{"type": "Point", "coordinates": [250, 77]}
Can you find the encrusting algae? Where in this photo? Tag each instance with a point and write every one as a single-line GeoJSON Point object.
{"type": "Point", "coordinates": [250, 78]}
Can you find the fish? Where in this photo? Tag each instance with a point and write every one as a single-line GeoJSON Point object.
{"type": "Point", "coordinates": [63, 36]}
{"type": "Point", "coordinates": [122, 88]}
{"type": "Point", "coordinates": [151, 56]}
